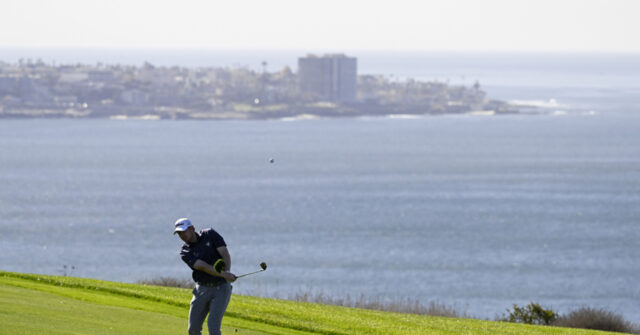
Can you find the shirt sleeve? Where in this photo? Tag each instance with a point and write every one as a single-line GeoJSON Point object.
{"type": "Point", "coordinates": [188, 257]}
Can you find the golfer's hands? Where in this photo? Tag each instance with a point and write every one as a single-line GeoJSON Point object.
{"type": "Point", "coordinates": [228, 276]}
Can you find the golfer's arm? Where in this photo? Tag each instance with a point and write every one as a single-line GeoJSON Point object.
{"type": "Point", "coordinates": [226, 257]}
{"type": "Point", "coordinates": [208, 268]}
{"type": "Point", "coordinates": [205, 267]}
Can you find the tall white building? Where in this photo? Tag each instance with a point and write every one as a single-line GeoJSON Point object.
{"type": "Point", "coordinates": [330, 78]}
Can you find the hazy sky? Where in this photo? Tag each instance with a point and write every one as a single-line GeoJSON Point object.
{"type": "Point", "coordinates": [330, 25]}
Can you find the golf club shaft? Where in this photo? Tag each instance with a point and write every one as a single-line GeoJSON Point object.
{"type": "Point", "coordinates": [250, 273]}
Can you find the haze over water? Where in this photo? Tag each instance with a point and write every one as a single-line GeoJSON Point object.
{"type": "Point", "coordinates": [475, 212]}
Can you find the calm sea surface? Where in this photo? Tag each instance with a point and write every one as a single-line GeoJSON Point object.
{"type": "Point", "coordinates": [477, 212]}
{"type": "Point", "coordinates": [474, 212]}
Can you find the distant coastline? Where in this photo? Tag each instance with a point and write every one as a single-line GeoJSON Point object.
{"type": "Point", "coordinates": [525, 82]}
{"type": "Point", "coordinates": [35, 89]}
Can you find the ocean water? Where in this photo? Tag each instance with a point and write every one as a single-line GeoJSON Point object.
{"type": "Point", "coordinates": [475, 212]}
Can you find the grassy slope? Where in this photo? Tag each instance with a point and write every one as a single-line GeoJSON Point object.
{"type": "Point", "coordinates": [38, 304]}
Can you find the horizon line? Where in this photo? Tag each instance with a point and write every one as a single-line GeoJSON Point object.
{"type": "Point", "coordinates": [321, 50]}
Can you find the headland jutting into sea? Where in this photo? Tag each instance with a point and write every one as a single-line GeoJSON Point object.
{"type": "Point", "coordinates": [323, 86]}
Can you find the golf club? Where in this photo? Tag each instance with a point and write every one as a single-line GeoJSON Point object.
{"type": "Point", "coordinates": [219, 267]}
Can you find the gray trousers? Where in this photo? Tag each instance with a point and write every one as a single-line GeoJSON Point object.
{"type": "Point", "coordinates": [208, 300]}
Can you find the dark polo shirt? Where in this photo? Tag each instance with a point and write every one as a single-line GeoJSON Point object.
{"type": "Point", "coordinates": [204, 249]}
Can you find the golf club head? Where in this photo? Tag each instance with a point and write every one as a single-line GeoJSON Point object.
{"type": "Point", "coordinates": [263, 266]}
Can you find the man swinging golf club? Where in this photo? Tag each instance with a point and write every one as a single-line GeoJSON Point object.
{"type": "Point", "coordinates": [213, 288]}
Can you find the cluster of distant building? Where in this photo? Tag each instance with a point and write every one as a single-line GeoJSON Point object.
{"type": "Point", "coordinates": [327, 85]}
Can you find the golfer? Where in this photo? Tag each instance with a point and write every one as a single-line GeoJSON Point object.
{"type": "Point", "coordinates": [213, 290]}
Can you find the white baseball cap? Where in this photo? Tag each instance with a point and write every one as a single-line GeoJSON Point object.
{"type": "Point", "coordinates": [182, 225]}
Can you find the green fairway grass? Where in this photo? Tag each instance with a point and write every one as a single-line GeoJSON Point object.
{"type": "Point", "coordinates": [39, 304]}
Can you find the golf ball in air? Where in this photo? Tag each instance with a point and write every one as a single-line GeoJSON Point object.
{"type": "Point", "coordinates": [271, 160]}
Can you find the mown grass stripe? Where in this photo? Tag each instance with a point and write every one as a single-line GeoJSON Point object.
{"type": "Point", "coordinates": [57, 282]}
